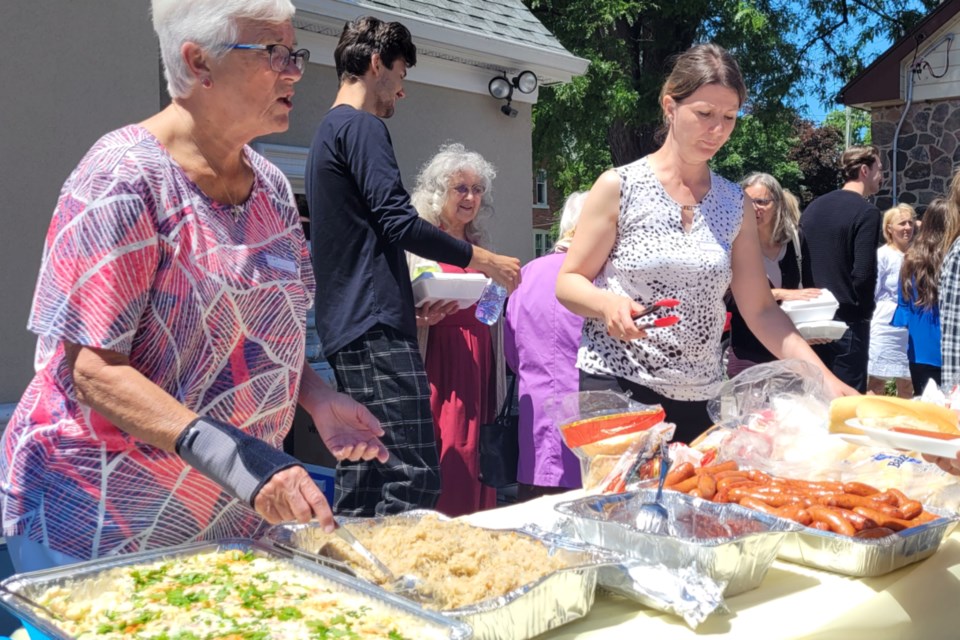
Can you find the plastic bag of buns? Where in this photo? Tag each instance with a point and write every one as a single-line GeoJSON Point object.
{"type": "Point", "coordinates": [610, 434]}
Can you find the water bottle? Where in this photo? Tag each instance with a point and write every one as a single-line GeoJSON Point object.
{"type": "Point", "coordinates": [490, 304]}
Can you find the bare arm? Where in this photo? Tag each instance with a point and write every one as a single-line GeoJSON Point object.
{"type": "Point", "coordinates": [592, 244]}
{"type": "Point", "coordinates": [765, 319]}
{"type": "Point", "coordinates": [108, 384]}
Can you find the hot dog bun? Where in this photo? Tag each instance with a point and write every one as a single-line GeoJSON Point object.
{"type": "Point", "coordinates": [885, 412]}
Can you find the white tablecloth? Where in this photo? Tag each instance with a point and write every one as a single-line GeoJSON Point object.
{"type": "Point", "coordinates": [919, 601]}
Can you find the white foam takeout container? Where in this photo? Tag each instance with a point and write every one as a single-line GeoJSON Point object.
{"type": "Point", "coordinates": [822, 330]}
{"type": "Point", "coordinates": [823, 307]}
{"type": "Point", "coordinates": [464, 288]}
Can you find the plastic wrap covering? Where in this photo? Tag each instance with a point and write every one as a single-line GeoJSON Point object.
{"type": "Point", "coordinates": [555, 599]}
{"type": "Point", "coordinates": [865, 558]}
{"type": "Point", "coordinates": [728, 543]}
{"type": "Point", "coordinates": [753, 391]}
{"type": "Point", "coordinates": [21, 592]}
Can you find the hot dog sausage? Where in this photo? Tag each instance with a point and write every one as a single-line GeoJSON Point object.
{"type": "Point", "coordinates": [729, 465]}
{"type": "Point", "coordinates": [836, 522]}
{"type": "Point", "coordinates": [859, 489]}
{"type": "Point", "coordinates": [795, 512]}
{"type": "Point", "coordinates": [707, 485]}
{"type": "Point", "coordinates": [679, 473]}
{"type": "Point", "coordinates": [884, 519]}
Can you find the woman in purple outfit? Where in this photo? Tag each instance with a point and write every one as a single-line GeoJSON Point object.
{"type": "Point", "coordinates": [541, 338]}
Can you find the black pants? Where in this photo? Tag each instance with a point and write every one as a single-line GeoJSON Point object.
{"type": "Point", "coordinates": [847, 357]}
{"type": "Point", "coordinates": [383, 371]}
{"type": "Point", "coordinates": [920, 373]}
{"type": "Point", "coordinates": [690, 416]}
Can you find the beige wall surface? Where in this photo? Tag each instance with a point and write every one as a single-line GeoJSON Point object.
{"type": "Point", "coordinates": [428, 117]}
{"type": "Point", "coordinates": [71, 71]}
{"type": "Point", "coordinates": [92, 66]}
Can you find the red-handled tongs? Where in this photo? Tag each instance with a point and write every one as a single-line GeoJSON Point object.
{"type": "Point", "coordinates": [666, 303]}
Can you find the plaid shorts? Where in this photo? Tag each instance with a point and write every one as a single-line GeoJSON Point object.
{"type": "Point", "coordinates": [383, 370]}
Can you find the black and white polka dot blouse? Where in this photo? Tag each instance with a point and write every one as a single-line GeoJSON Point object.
{"type": "Point", "coordinates": [653, 258]}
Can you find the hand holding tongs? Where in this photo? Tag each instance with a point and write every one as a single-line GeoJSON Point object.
{"type": "Point", "coordinates": [665, 321]}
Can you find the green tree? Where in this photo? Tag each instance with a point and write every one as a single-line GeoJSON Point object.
{"type": "Point", "coordinates": [759, 145]}
{"type": "Point", "coordinates": [859, 124]}
{"type": "Point", "coordinates": [611, 115]}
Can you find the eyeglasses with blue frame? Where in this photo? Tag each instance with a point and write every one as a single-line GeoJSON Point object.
{"type": "Point", "coordinates": [280, 55]}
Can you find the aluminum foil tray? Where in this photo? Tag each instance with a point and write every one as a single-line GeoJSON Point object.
{"type": "Point", "coordinates": [730, 544]}
{"type": "Point", "coordinates": [864, 558]}
{"type": "Point", "coordinates": [551, 601]}
{"type": "Point", "coordinates": [19, 592]}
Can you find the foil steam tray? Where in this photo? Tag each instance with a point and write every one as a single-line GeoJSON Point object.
{"type": "Point", "coordinates": [553, 600]}
{"type": "Point", "coordinates": [19, 593]}
{"type": "Point", "coordinates": [865, 558]}
{"type": "Point", "coordinates": [728, 543]}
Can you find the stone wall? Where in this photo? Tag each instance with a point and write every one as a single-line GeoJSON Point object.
{"type": "Point", "coordinates": [927, 150]}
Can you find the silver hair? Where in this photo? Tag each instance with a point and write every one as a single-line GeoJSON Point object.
{"type": "Point", "coordinates": [784, 224]}
{"type": "Point", "coordinates": [572, 207]}
{"type": "Point", "coordinates": [210, 24]}
{"type": "Point", "coordinates": [433, 185]}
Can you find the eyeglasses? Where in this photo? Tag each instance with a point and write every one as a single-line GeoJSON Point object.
{"type": "Point", "coordinates": [762, 202]}
{"type": "Point", "coordinates": [280, 55]}
{"type": "Point", "coordinates": [463, 190]}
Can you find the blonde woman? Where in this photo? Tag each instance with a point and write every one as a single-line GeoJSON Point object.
{"type": "Point", "coordinates": [888, 344]}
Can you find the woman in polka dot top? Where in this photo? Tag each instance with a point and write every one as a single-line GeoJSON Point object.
{"type": "Point", "coordinates": [665, 226]}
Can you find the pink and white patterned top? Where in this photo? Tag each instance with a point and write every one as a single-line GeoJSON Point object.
{"type": "Point", "coordinates": [209, 307]}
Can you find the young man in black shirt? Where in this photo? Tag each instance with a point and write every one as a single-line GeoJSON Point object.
{"type": "Point", "coordinates": [841, 230]}
{"type": "Point", "coordinates": [361, 224]}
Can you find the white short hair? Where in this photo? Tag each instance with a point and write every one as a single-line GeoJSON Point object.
{"type": "Point", "coordinates": [572, 207]}
{"type": "Point", "coordinates": [430, 193]}
{"type": "Point", "coordinates": [208, 23]}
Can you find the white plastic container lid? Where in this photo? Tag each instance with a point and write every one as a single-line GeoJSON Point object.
{"type": "Point", "coordinates": [820, 308]}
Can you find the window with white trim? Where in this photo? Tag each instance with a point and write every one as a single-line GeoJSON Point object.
{"type": "Point", "coordinates": [543, 242]}
{"type": "Point", "coordinates": [540, 189]}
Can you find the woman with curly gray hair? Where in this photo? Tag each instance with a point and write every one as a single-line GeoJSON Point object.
{"type": "Point", "coordinates": [463, 357]}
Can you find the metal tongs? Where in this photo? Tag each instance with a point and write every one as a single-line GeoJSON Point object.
{"type": "Point", "coordinates": [406, 585]}
{"type": "Point", "coordinates": [367, 555]}
{"type": "Point", "coordinates": [665, 321]}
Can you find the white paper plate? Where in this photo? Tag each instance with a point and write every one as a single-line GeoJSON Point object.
{"type": "Point", "coordinates": [904, 441]}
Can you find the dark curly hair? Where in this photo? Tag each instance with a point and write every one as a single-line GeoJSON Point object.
{"type": "Point", "coordinates": [365, 36]}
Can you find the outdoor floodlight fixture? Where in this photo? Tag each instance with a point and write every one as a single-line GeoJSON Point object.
{"type": "Point", "coordinates": [502, 88]}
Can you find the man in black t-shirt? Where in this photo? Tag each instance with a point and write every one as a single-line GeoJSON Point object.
{"type": "Point", "coordinates": [361, 224]}
{"type": "Point", "coordinates": [840, 234]}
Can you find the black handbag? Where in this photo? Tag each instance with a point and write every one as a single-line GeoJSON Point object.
{"type": "Point", "coordinates": [499, 446]}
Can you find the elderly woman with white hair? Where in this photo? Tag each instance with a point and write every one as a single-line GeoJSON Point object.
{"type": "Point", "coordinates": [171, 314]}
{"type": "Point", "coordinates": [541, 338]}
{"type": "Point", "coordinates": [463, 357]}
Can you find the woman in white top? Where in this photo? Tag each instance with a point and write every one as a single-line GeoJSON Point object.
{"type": "Point", "coordinates": [665, 226]}
{"type": "Point", "coordinates": [888, 344]}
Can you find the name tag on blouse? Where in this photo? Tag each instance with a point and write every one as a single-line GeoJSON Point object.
{"type": "Point", "coordinates": [281, 263]}
{"type": "Point", "coordinates": [710, 247]}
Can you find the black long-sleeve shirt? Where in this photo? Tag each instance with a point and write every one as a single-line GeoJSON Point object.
{"type": "Point", "coordinates": [361, 222]}
{"type": "Point", "coordinates": [745, 345]}
{"type": "Point", "coordinates": [840, 232]}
